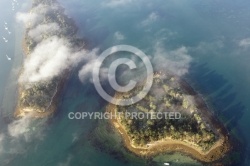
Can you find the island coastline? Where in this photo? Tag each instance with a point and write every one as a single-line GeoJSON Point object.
{"type": "Point", "coordinates": [168, 145]}
{"type": "Point", "coordinates": [61, 80]}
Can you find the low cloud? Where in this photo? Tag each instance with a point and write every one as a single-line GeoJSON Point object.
{"type": "Point", "coordinates": [35, 16]}
{"type": "Point", "coordinates": [1, 143]}
{"type": "Point", "coordinates": [116, 3]}
{"type": "Point", "coordinates": [119, 36]}
{"type": "Point", "coordinates": [27, 129]}
{"type": "Point", "coordinates": [176, 61]}
{"type": "Point", "coordinates": [28, 19]}
{"type": "Point", "coordinates": [38, 32]}
{"type": "Point", "coordinates": [53, 53]}
{"type": "Point", "coordinates": [51, 56]}
{"type": "Point", "coordinates": [67, 162]}
{"type": "Point", "coordinates": [208, 48]}
{"type": "Point", "coordinates": [19, 127]}
{"type": "Point", "coordinates": [150, 19]}
{"type": "Point", "coordinates": [23, 129]}
{"type": "Point", "coordinates": [49, 59]}
{"type": "Point", "coordinates": [245, 43]}
{"type": "Point", "coordinates": [85, 73]}
{"type": "Point", "coordinates": [13, 140]}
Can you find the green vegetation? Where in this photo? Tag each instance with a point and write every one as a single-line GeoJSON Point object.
{"type": "Point", "coordinates": [166, 95]}
{"type": "Point", "coordinates": [57, 16]}
{"type": "Point", "coordinates": [39, 95]}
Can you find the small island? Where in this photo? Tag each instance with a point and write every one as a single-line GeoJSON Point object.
{"type": "Point", "coordinates": [197, 133]}
{"type": "Point", "coordinates": [40, 98]}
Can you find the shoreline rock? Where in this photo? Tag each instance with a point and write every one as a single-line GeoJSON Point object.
{"type": "Point", "coordinates": [220, 148]}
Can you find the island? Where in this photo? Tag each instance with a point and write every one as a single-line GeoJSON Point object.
{"type": "Point", "coordinates": [40, 98]}
{"type": "Point", "coordinates": [196, 133]}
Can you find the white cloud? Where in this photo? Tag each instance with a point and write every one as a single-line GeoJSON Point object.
{"type": "Point", "coordinates": [245, 43]}
{"type": "Point", "coordinates": [1, 143]}
{"type": "Point", "coordinates": [35, 16]}
{"type": "Point", "coordinates": [116, 3]}
{"type": "Point", "coordinates": [119, 36]}
{"type": "Point", "coordinates": [26, 129]}
{"type": "Point", "coordinates": [176, 61]}
{"type": "Point", "coordinates": [85, 74]}
{"type": "Point", "coordinates": [150, 19]}
{"type": "Point", "coordinates": [67, 162]}
{"type": "Point", "coordinates": [49, 59]}
{"type": "Point", "coordinates": [165, 35]}
{"type": "Point", "coordinates": [208, 48]}
{"type": "Point", "coordinates": [28, 19]}
{"type": "Point", "coordinates": [53, 54]}
{"type": "Point", "coordinates": [86, 71]}
{"type": "Point", "coordinates": [18, 133]}
{"type": "Point", "coordinates": [42, 29]}
{"type": "Point", "coordinates": [20, 127]}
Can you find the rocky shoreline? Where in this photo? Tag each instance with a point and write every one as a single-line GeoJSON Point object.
{"type": "Point", "coordinates": [218, 151]}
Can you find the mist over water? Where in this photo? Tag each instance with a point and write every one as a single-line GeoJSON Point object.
{"type": "Point", "coordinates": [209, 39]}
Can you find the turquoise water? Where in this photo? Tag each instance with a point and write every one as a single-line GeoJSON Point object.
{"type": "Point", "coordinates": [210, 31]}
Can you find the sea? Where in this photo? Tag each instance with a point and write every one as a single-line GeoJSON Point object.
{"type": "Point", "coordinates": [214, 34]}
